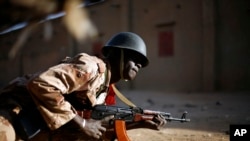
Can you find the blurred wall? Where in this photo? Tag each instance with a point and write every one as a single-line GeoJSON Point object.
{"type": "Point", "coordinates": [233, 45]}
{"type": "Point", "coordinates": [195, 45]}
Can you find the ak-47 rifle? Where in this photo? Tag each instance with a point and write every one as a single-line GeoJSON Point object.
{"type": "Point", "coordinates": [124, 115]}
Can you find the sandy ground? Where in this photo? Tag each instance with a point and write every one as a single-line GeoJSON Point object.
{"type": "Point", "coordinates": [211, 114]}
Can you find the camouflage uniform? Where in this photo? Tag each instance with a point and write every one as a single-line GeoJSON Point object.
{"type": "Point", "coordinates": [83, 76]}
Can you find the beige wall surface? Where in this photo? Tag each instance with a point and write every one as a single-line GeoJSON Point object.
{"type": "Point", "coordinates": [210, 43]}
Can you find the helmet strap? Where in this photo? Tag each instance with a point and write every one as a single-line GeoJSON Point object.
{"type": "Point", "coordinates": [122, 65]}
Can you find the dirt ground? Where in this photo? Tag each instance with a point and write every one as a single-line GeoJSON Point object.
{"type": "Point", "coordinates": [211, 114]}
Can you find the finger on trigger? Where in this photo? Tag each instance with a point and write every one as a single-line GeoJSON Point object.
{"type": "Point", "coordinates": [107, 119]}
{"type": "Point", "coordinates": [102, 129]}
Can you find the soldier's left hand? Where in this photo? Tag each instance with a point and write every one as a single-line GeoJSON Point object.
{"type": "Point", "coordinates": [156, 123]}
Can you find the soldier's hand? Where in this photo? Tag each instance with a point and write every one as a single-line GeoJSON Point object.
{"type": "Point", "coordinates": [156, 123]}
{"type": "Point", "coordinates": [93, 129]}
{"type": "Point", "coordinates": [106, 122]}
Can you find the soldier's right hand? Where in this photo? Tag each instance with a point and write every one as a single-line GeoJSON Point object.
{"type": "Point", "coordinates": [93, 129]}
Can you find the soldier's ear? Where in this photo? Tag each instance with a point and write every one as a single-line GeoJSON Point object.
{"type": "Point", "coordinates": [114, 53]}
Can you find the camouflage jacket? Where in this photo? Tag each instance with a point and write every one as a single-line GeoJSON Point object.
{"type": "Point", "coordinates": [84, 76]}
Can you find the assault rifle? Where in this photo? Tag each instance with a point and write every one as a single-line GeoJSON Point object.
{"type": "Point", "coordinates": [124, 115]}
{"type": "Point", "coordinates": [131, 114]}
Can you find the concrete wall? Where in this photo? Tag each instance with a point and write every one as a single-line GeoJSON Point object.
{"type": "Point", "coordinates": [183, 70]}
{"type": "Point", "coordinates": [210, 43]}
{"type": "Point", "coordinates": [36, 53]}
{"type": "Point", "coordinates": [233, 42]}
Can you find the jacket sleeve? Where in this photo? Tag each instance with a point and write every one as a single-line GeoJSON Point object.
{"type": "Point", "coordinates": [48, 87]}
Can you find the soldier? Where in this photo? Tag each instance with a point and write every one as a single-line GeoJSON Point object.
{"type": "Point", "coordinates": [63, 93]}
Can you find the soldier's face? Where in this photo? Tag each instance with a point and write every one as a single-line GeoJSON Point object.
{"type": "Point", "coordinates": [131, 68]}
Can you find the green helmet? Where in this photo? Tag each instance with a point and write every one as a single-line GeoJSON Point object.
{"type": "Point", "coordinates": [129, 41]}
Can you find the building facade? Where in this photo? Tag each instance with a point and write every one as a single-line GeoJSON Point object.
{"type": "Point", "coordinates": [193, 45]}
